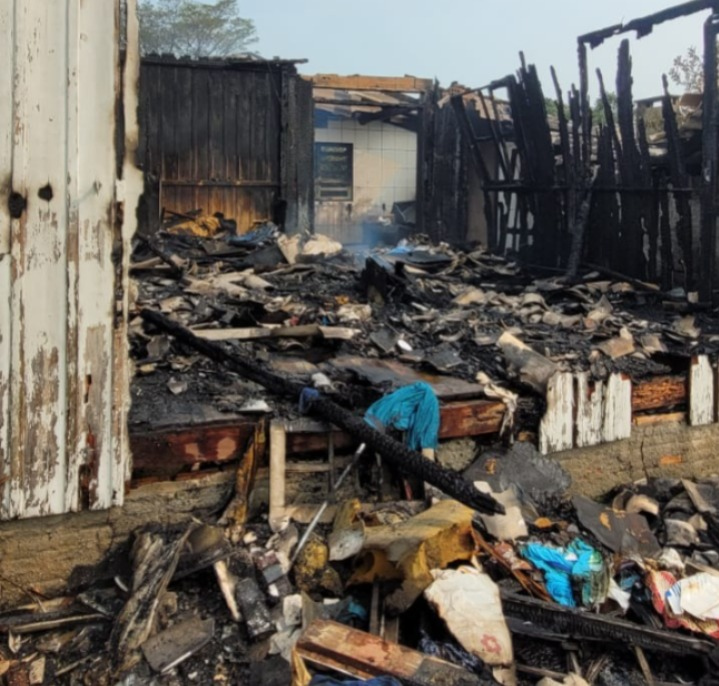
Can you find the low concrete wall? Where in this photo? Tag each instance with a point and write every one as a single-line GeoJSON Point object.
{"type": "Point", "coordinates": [49, 555]}
{"type": "Point", "coordinates": [46, 555]}
{"type": "Point", "coordinates": [671, 449]}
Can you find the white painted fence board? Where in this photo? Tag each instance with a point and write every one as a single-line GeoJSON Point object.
{"type": "Point", "coordinates": [5, 331]}
{"type": "Point", "coordinates": [39, 309]}
{"type": "Point", "coordinates": [617, 422]}
{"type": "Point", "coordinates": [701, 391]}
{"type": "Point", "coordinates": [127, 192]}
{"type": "Point", "coordinates": [6, 104]}
{"type": "Point", "coordinates": [590, 410]}
{"type": "Point", "coordinates": [95, 292]}
{"type": "Point", "coordinates": [63, 349]}
{"type": "Point", "coordinates": [556, 430]}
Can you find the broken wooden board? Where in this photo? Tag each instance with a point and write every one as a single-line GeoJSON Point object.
{"type": "Point", "coordinates": [470, 418]}
{"type": "Point", "coordinates": [617, 409]}
{"type": "Point", "coordinates": [603, 412]}
{"type": "Point", "coordinates": [652, 419]}
{"type": "Point", "coordinates": [362, 655]}
{"type": "Point", "coordinates": [590, 408]}
{"type": "Point", "coordinates": [394, 374]}
{"type": "Point", "coordinates": [168, 451]}
{"type": "Point", "coordinates": [658, 393]}
{"type": "Point", "coordinates": [556, 429]}
{"type": "Point", "coordinates": [174, 645]}
{"type": "Point", "coordinates": [253, 333]}
{"type": "Point", "coordinates": [154, 563]}
{"type": "Point", "coordinates": [701, 391]}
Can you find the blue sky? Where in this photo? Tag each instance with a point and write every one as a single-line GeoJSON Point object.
{"type": "Point", "coordinates": [470, 41]}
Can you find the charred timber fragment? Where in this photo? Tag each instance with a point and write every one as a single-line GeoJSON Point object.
{"type": "Point", "coordinates": [631, 217]}
{"type": "Point", "coordinates": [644, 25]}
{"type": "Point", "coordinates": [399, 456]}
{"type": "Point", "coordinates": [710, 158]}
{"type": "Point", "coordinates": [577, 624]}
{"type": "Point", "coordinates": [678, 178]}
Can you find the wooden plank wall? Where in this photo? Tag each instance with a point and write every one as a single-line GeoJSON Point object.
{"type": "Point", "coordinates": [212, 138]}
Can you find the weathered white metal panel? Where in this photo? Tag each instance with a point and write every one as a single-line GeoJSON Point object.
{"type": "Point", "coordinates": [617, 420]}
{"type": "Point", "coordinates": [556, 430]}
{"type": "Point", "coordinates": [590, 411]}
{"type": "Point", "coordinates": [61, 447]}
{"type": "Point", "coordinates": [701, 391]}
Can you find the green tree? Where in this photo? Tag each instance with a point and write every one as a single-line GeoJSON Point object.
{"type": "Point", "coordinates": [193, 28]}
{"type": "Point", "coordinates": [598, 114]}
{"type": "Point", "coordinates": [688, 71]}
{"type": "Point", "coordinates": [553, 108]}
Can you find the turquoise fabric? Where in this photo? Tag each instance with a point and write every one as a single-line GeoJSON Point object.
{"type": "Point", "coordinates": [414, 409]}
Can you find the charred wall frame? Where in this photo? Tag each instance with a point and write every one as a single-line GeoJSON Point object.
{"type": "Point", "coordinates": [593, 194]}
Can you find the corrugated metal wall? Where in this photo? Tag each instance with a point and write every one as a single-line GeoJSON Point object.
{"type": "Point", "coordinates": [222, 136]}
{"type": "Point", "coordinates": [67, 211]}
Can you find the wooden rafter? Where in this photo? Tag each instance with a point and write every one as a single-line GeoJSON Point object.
{"type": "Point", "coordinates": [399, 84]}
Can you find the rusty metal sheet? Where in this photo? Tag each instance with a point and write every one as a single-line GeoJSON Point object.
{"type": "Point", "coordinates": [62, 347]}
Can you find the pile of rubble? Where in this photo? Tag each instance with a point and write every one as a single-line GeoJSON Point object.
{"type": "Point", "coordinates": [561, 589]}
{"type": "Point", "coordinates": [413, 570]}
{"type": "Point", "coordinates": [309, 309]}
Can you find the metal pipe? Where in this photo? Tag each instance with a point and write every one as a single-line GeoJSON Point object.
{"type": "Point", "coordinates": [321, 510]}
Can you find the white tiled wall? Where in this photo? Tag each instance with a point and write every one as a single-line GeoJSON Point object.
{"type": "Point", "coordinates": [385, 171]}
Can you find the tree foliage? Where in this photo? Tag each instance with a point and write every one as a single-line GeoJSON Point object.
{"type": "Point", "coordinates": [553, 108]}
{"type": "Point", "coordinates": [599, 116]}
{"type": "Point", "coordinates": [688, 71]}
{"type": "Point", "coordinates": [193, 28]}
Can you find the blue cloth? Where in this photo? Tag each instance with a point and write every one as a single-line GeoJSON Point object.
{"type": "Point", "coordinates": [414, 409]}
{"type": "Point", "coordinates": [324, 680]}
{"type": "Point", "coordinates": [255, 237]}
{"type": "Point", "coordinates": [307, 397]}
{"type": "Point", "coordinates": [578, 561]}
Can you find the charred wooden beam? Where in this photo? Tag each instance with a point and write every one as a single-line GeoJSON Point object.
{"type": "Point", "coordinates": [631, 208]}
{"type": "Point", "coordinates": [679, 179]}
{"type": "Point", "coordinates": [485, 177]}
{"type": "Point", "coordinates": [651, 201]}
{"type": "Point", "coordinates": [644, 25]}
{"type": "Point", "coordinates": [587, 626]}
{"type": "Point", "coordinates": [710, 158]}
{"type": "Point", "coordinates": [396, 454]}
{"type": "Point", "coordinates": [359, 82]}
{"type": "Point", "coordinates": [585, 110]}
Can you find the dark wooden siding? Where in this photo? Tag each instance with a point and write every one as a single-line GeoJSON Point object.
{"type": "Point", "coordinates": [212, 138]}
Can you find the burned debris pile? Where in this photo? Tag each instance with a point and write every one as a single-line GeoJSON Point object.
{"type": "Point", "coordinates": [392, 520]}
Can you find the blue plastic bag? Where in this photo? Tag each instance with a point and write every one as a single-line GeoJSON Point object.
{"type": "Point", "coordinates": [578, 561]}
